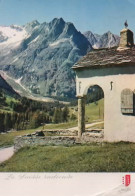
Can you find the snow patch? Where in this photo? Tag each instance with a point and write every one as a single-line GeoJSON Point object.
{"type": "Point", "coordinates": [96, 46]}
{"type": "Point", "coordinates": [14, 35]}
{"type": "Point", "coordinates": [34, 40]}
{"type": "Point", "coordinates": [18, 81]}
{"type": "Point", "coordinates": [56, 43]}
{"type": "Point", "coordinates": [15, 59]}
{"type": "Point", "coordinates": [110, 41]}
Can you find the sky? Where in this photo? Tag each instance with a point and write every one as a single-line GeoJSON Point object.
{"type": "Point", "coordinates": [98, 16]}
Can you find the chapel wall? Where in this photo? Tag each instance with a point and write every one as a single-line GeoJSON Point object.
{"type": "Point", "coordinates": [117, 127]}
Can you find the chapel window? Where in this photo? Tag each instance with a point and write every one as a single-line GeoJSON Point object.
{"type": "Point", "coordinates": [127, 102]}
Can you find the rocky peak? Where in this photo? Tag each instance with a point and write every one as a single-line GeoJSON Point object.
{"type": "Point", "coordinates": [31, 25]}
{"type": "Point", "coordinates": [56, 22]}
{"type": "Point", "coordinates": [45, 57]}
{"type": "Point", "coordinates": [106, 40]}
{"type": "Point", "coordinates": [91, 38]}
{"type": "Point", "coordinates": [70, 29]}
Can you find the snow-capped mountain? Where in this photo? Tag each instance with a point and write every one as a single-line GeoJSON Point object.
{"type": "Point", "coordinates": [40, 56]}
{"type": "Point", "coordinates": [11, 36]}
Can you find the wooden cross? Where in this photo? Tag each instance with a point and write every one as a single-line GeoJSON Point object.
{"type": "Point", "coordinates": [126, 24]}
{"type": "Point", "coordinates": [79, 87]}
{"type": "Point", "coordinates": [111, 85]}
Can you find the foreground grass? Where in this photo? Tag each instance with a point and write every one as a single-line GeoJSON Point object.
{"type": "Point", "coordinates": [117, 157]}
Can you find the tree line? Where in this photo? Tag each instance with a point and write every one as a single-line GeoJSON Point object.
{"type": "Point", "coordinates": [26, 113]}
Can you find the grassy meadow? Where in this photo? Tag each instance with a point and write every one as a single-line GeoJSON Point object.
{"type": "Point", "coordinates": [93, 111]}
{"type": "Point", "coordinates": [118, 157]}
{"type": "Point", "coordinates": [103, 157]}
{"type": "Point", "coordinates": [92, 114]}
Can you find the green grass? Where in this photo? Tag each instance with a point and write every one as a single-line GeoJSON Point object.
{"type": "Point", "coordinates": [99, 126]}
{"type": "Point", "coordinates": [93, 111]}
{"type": "Point", "coordinates": [8, 138]}
{"type": "Point", "coordinates": [8, 108]}
{"type": "Point", "coordinates": [61, 125]}
{"type": "Point", "coordinates": [10, 99]}
{"type": "Point", "coordinates": [118, 157]}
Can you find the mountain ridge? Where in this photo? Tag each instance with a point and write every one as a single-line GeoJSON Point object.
{"type": "Point", "coordinates": [40, 56]}
{"type": "Point", "coordinates": [106, 40]}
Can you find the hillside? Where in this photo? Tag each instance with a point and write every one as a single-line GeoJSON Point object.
{"type": "Point", "coordinates": [7, 89]}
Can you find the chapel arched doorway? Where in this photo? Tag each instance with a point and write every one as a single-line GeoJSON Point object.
{"type": "Point", "coordinates": [94, 108]}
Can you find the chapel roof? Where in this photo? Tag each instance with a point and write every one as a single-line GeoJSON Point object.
{"type": "Point", "coordinates": [123, 55]}
{"type": "Point", "coordinates": [107, 57]}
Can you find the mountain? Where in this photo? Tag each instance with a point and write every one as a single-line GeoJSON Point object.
{"type": "Point", "coordinates": [40, 56]}
{"type": "Point", "coordinates": [92, 39]}
{"type": "Point", "coordinates": [37, 58]}
{"type": "Point", "coordinates": [5, 87]}
{"type": "Point", "coordinates": [107, 40]}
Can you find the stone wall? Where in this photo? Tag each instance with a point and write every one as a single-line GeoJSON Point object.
{"type": "Point", "coordinates": [95, 136]}
{"type": "Point", "coordinates": [60, 132]}
{"type": "Point", "coordinates": [41, 138]}
{"type": "Point", "coordinates": [22, 141]}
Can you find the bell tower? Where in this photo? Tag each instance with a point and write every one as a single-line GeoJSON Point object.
{"type": "Point", "coordinates": [126, 38]}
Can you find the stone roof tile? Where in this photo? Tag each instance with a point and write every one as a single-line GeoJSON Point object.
{"type": "Point", "coordinates": [107, 57]}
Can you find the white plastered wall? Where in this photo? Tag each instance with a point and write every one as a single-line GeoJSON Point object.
{"type": "Point", "coordinates": [117, 127]}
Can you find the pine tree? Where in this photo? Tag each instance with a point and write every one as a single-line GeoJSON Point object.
{"type": "Point", "coordinates": [65, 114]}
{"type": "Point", "coordinates": [14, 119]}
{"type": "Point", "coordinates": [2, 127]}
{"type": "Point", "coordinates": [18, 121]}
{"type": "Point", "coordinates": [73, 117]}
{"type": "Point", "coordinates": [57, 115]}
{"type": "Point", "coordinates": [35, 120]}
{"type": "Point", "coordinates": [7, 121]}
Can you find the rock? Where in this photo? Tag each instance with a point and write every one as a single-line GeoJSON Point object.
{"type": "Point", "coordinates": [40, 133]}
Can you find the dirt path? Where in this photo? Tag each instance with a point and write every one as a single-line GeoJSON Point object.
{"type": "Point", "coordinates": [6, 153]}
{"type": "Point", "coordinates": [87, 125]}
